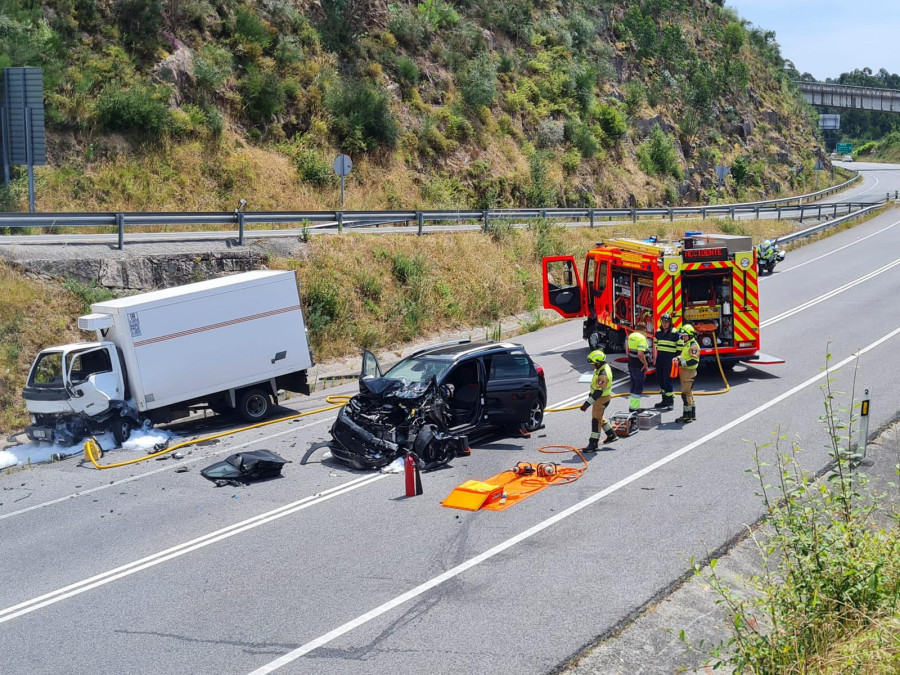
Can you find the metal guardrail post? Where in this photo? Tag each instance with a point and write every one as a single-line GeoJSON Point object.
{"type": "Point", "coordinates": [419, 219]}
{"type": "Point", "coordinates": [671, 215]}
{"type": "Point", "coordinates": [591, 213]}
{"type": "Point", "coordinates": [834, 215]}
{"type": "Point", "coordinates": [340, 219]}
{"type": "Point", "coordinates": [779, 211]}
{"type": "Point", "coordinates": [802, 211]}
{"type": "Point", "coordinates": [703, 214]}
{"type": "Point", "coordinates": [820, 212]}
{"type": "Point", "coordinates": [633, 215]}
{"type": "Point", "coordinates": [757, 213]}
{"type": "Point", "coordinates": [120, 224]}
{"type": "Point", "coordinates": [731, 212]}
{"type": "Point", "coordinates": [240, 216]}
{"type": "Point", "coordinates": [487, 222]}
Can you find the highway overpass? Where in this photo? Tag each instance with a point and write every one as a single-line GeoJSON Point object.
{"type": "Point", "coordinates": [857, 98]}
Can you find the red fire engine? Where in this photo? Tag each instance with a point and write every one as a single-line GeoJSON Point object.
{"type": "Point", "coordinates": [708, 281]}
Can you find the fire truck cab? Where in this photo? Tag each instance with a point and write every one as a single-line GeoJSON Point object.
{"type": "Point", "coordinates": [709, 281]}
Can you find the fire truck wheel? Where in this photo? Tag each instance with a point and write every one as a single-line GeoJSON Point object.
{"type": "Point", "coordinates": [595, 340]}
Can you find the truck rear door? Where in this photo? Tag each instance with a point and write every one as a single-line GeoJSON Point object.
{"type": "Point", "coordinates": [563, 290]}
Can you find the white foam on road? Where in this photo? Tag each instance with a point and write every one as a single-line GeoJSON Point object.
{"type": "Point", "coordinates": [141, 440]}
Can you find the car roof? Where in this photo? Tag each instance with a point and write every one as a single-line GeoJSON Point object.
{"type": "Point", "coordinates": [459, 350]}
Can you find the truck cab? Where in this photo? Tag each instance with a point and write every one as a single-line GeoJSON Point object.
{"type": "Point", "coordinates": [82, 379]}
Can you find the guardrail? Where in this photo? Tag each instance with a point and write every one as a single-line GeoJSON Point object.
{"type": "Point", "coordinates": [318, 220]}
{"type": "Point", "coordinates": [815, 229]}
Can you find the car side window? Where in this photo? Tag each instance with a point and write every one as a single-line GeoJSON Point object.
{"type": "Point", "coordinates": [510, 366]}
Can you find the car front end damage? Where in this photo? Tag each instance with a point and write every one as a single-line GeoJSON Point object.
{"type": "Point", "coordinates": [390, 418]}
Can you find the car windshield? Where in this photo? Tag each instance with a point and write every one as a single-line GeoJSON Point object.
{"type": "Point", "coordinates": [47, 371]}
{"type": "Point", "coordinates": [417, 369]}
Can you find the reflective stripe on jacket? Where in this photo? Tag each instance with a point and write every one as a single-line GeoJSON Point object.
{"type": "Point", "coordinates": [690, 354]}
{"type": "Point", "coordinates": [667, 342]}
{"type": "Point", "coordinates": [637, 343]}
{"type": "Point", "coordinates": [599, 374]}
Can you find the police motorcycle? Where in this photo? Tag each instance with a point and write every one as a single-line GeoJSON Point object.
{"type": "Point", "coordinates": [768, 254]}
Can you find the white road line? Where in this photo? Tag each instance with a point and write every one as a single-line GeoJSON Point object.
{"type": "Point", "coordinates": [181, 549]}
{"type": "Point", "coordinates": [530, 532]}
{"type": "Point", "coordinates": [853, 243]}
{"type": "Point", "coordinates": [830, 294]}
{"type": "Point", "coordinates": [230, 448]}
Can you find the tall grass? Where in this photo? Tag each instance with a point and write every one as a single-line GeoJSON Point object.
{"type": "Point", "coordinates": [828, 598]}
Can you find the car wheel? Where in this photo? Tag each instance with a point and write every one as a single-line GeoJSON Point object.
{"type": "Point", "coordinates": [253, 405]}
{"type": "Point", "coordinates": [121, 428]}
{"type": "Point", "coordinates": [535, 416]}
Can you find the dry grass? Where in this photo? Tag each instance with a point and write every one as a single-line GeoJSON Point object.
{"type": "Point", "coordinates": [33, 315]}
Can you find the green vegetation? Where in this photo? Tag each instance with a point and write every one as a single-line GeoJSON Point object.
{"type": "Point", "coordinates": [828, 599]}
{"type": "Point", "coordinates": [194, 105]}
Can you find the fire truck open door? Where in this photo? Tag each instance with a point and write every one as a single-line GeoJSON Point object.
{"type": "Point", "coordinates": [563, 290]}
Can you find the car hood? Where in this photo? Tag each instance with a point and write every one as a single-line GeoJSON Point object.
{"type": "Point", "coordinates": [390, 418]}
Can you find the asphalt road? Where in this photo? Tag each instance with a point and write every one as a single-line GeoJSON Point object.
{"type": "Point", "coordinates": [144, 570]}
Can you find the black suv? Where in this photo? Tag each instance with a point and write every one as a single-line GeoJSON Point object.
{"type": "Point", "coordinates": [431, 401]}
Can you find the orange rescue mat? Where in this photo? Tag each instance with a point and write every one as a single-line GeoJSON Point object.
{"type": "Point", "coordinates": [507, 488]}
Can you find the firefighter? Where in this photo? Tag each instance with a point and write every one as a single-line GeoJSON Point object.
{"type": "Point", "coordinates": [667, 346]}
{"type": "Point", "coordinates": [688, 362]}
{"type": "Point", "coordinates": [598, 398]}
{"type": "Point", "coordinates": [637, 367]}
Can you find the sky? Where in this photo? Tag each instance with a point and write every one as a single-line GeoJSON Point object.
{"type": "Point", "coordinates": [830, 37]}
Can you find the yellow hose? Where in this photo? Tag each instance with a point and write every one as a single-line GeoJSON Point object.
{"type": "Point", "coordinates": [651, 393]}
{"type": "Point", "coordinates": [336, 401]}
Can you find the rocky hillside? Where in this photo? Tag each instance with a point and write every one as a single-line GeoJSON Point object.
{"type": "Point", "coordinates": [194, 104]}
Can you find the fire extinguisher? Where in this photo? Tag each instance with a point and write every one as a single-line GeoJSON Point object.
{"type": "Point", "coordinates": [411, 473]}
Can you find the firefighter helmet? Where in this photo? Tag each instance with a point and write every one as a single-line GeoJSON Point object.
{"type": "Point", "coordinates": [597, 356]}
{"type": "Point", "coordinates": [688, 329]}
{"type": "Point", "coordinates": [666, 317]}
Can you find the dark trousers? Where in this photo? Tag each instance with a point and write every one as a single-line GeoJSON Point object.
{"type": "Point", "coordinates": [664, 374]}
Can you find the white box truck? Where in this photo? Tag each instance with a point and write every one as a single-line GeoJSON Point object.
{"type": "Point", "coordinates": [230, 343]}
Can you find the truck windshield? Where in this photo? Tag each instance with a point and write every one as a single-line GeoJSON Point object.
{"type": "Point", "coordinates": [47, 371]}
{"type": "Point", "coordinates": [418, 369]}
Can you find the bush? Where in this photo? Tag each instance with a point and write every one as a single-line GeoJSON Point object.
{"type": "Point", "coordinates": [262, 93]}
{"type": "Point", "coordinates": [613, 124]}
{"type": "Point", "coordinates": [361, 117]}
{"type": "Point", "coordinates": [313, 169]}
{"type": "Point", "coordinates": [478, 84]}
{"type": "Point", "coordinates": [249, 28]}
{"type": "Point", "coordinates": [407, 70]}
{"type": "Point", "coordinates": [541, 192]}
{"type": "Point", "coordinates": [408, 269]}
{"type": "Point", "coordinates": [138, 109]}
{"type": "Point", "coordinates": [212, 66]}
{"type": "Point", "coordinates": [141, 24]}
{"type": "Point", "coordinates": [657, 156]}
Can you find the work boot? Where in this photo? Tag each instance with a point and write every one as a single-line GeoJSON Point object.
{"type": "Point", "coordinates": [591, 446]}
{"type": "Point", "coordinates": [685, 417]}
{"type": "Point", "coordinates": [693, 414]}
{"type": "Point", "coordinates": [662, 405]}
{"type": "Point", "coordinates": [611, 437]}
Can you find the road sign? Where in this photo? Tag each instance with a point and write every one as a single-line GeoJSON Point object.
{"type": "Point", "coordinates": [829, 122]}
{"type": "Point", "coordinates": [22, 123]}
{"type": "Point", "coordinates": [819, 166]}
{"type": "Point", "coordinates": [342, 165]}
{"type": "Point", "coordinates": [721, 172]}
{"type": "Point", "coordinates": [843, 148]}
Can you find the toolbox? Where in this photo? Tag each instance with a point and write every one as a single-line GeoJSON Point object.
{"type": "Point", "coordinates": [625, 424]}
{"type": "Point", "coordinates": [649, 419]}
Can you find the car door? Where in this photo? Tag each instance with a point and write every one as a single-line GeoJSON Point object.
{"type": "Point", "coordinates": [370, 366]}
{"type": "Point", "coordinates": [512, 388]}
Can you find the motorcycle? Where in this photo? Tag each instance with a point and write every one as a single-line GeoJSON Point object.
{"type": "Point", "coordinates": [768, 256]}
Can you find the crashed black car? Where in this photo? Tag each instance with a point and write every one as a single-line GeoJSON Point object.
{"type": "Point", "coordinates": [430, 403]}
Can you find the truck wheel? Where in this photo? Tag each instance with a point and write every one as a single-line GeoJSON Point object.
{"type": "Point", "coordinates": [121, 428]}
{"type": "Point", "coordinates": [595, 340]}
{"type": "Point", "coordinates": [253, 405]}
